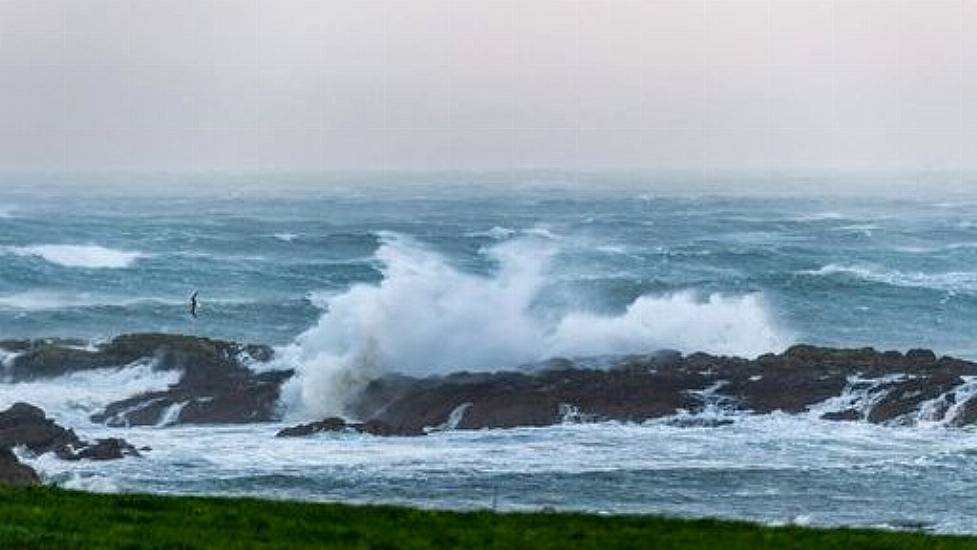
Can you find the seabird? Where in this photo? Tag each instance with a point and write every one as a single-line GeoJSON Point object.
{"type": "Point", "coordinates": [193, 304]}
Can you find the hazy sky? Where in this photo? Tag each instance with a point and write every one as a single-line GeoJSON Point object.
{"type": "Point", "coordinates": [487, 84]}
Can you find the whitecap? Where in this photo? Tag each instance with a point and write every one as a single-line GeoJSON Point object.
{"type": "Point", "coordinates": [83, 256]}
{"type": "Point", "coordinates": [496, 232]}
{"type": "Point", "coordinates": [951, 281]}
{"type": "Point", "coordinates": [286, 237]}
{"type": "Point", "coordinates": [47, 300]}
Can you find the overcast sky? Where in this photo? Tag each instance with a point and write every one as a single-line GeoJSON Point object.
{"type": "Point", "coordinates": [270, 85]}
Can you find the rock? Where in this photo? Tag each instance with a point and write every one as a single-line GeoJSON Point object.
{"type": "Point", "coordinates": [198, 356]}
{"type": "Point", "coordinates": [13, 473]}
{"type": "Point", "coordinates": [905, 397]}
{"type": "Point", "coordinates": [901, 388]}
{"type": "Point", "coordinates": [216, 387]}
{"type": "Point", "coordinates": [699, 422]}
{"type": "Point", "coordinates": [335, 424]}
{"type": "Point", "coordinates": [845, 415]}
{"type": "Point", "coordinates": [924, 356]}
{"type": "Point", "coordinates": [332, 424]}
{"type": "Point", "coordinates": [103, 449]}
{"type": "Point", "coordinates": [28, 426]}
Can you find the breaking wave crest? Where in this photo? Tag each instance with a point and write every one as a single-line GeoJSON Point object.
{"type": "Point", "coordinates": [953, 281]}
{"type": "Point", "coordinates": [427, 317]}
{"type": "Point", "coordinates": [84, 256]}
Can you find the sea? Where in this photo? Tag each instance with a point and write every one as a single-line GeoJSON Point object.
{"type": "Point", "coordinates": [426, 274]}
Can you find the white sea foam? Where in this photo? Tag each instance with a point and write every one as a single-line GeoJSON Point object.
{"type": "Point", "coordinates": [496, 232]}
{"type": "Point", "coordinates": [72, 398]}
{"type": "Point", "coordinates": [84, 256]}
{"type": "Point", "coordinates": [45, 300]}
{"type": "Point", "coordinates": [426, 317]}
{"type": "Point", "coordinates": [951, 281]}
{"type": "Point", "coordinates": [285, 237]}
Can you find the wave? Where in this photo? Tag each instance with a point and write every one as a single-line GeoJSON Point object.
{"type": "Point", "coordinates": [48, 300]}
{"type": "Point", "coordinates": [285, 237]}
{"type": "Point", "coordinates": [83, 256]}
{"type": "Point", "coordinates": [72, 398]}
{"type": "Point", "coordinates": [496, 232]}
{"type": "Point", "coordinates": [821, 216]}
{"type": "Point", "coordinates": [426, 317]}
{"type": "Point", "coordinates": [952, 281]}
{"type": "Point", "coordinates": [951, 247]}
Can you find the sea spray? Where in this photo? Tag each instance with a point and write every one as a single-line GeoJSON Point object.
{"type": "Point", "coordinates": [428, 317]}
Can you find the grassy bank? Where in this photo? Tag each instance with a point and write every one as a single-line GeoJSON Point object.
{"type": "Point", "coordinates": [51, 518]}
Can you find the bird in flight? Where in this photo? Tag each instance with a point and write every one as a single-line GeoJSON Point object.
{"type": "Point", "coordinates": [193, 304]}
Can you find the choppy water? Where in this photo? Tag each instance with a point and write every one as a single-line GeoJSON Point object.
{"type": "Point", "coordinates": [372, 278]}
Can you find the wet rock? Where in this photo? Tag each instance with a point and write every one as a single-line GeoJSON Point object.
{"type": "Point", "coordinates": [13, 473]}
{"type": "Point", "coordinates": [905, 397]}
{"type": "Point", "coordinates": [28, 426]}
{"type": "Point", "coordinates": [332, 424]}
{"type": "Point", "coordinates": [216, 386]}
{"type": "Point", "coordinates": [848, 415]}
{"type": "Point", "coordinates": [335, 424]}
{"type": "Point", "coordinates": [103, 449]}
{"type": "Point", "coordinates": [195, 355]}
{"type": "Point", "coordinates": [901, 388]}
{"type": "Point", "coordinates": [699, 422]}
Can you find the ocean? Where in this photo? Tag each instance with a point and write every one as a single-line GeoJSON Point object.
{"type": "Point", "coordinates": [436, 274]}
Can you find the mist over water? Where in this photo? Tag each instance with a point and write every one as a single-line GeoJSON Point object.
{"type": "Point", "coordinates": [349, 282]}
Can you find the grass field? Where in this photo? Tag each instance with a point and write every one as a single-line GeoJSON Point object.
{"type": "Point", "coordinates": [53, 518]}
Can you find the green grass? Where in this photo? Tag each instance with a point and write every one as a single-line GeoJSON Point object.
{"type": "Point", "coordinates": [54, 518]}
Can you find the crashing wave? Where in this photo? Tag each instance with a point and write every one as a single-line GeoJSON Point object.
{"type": "Point", "coordinates": [428, 317]}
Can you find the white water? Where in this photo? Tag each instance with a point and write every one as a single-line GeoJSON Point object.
{"type": "Point", "coordinates": [771, 468]}
{"type": "Point", "coordinates": [285, 237]}
{"type": "Point", "coordinates": [949, 281]}
{"type": "Point", "coordinates": [428, 317]}
{"type": "Point", "coordinates": [72, 398]}
{"type": "Point", "coordinates": [83, 256]}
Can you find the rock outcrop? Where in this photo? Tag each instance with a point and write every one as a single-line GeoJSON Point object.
{"type": "Point", "coordinates": [336, 424]}
{"type": "Point", "coordinates": [217, 386]}
{"type": "Point", "coordinates": [49, 358]}
{"type": "Point", "coordinates": [13, 473]}
{"type": "Point", "coordinates": [28, 426]}
{"type": "Point", "coordinates": [842, 385]}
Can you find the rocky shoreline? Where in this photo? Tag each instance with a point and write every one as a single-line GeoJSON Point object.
{"type": "Point", "coordinates": [218, 385]}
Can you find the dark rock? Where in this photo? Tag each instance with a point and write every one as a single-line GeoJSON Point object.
{"type": "Point", "coordinates": [699, 422]}
{"type": "Point", "coordinates": [335, 424]}
{"type": "Point", "coordinates": [13, 473]}
{"type": "Point", "coordinates": [197, 356]}
{"type": "Point", "coordinates": [102, 449]}
{"type": "Point", "coordinates": [921, 356]}
{"type": "Point", "coordinates": [639, 388]}
{"type": "Point", "coordinates": [332, 424]}
{"type": "Point", "coordinates": [28, 426]}
{"type": "Point", "coordinates": [845, 415]}
{"type": "Point", "coordinates": [216, 387]}
{"type": "Point", "coordinates": [905, 397]}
